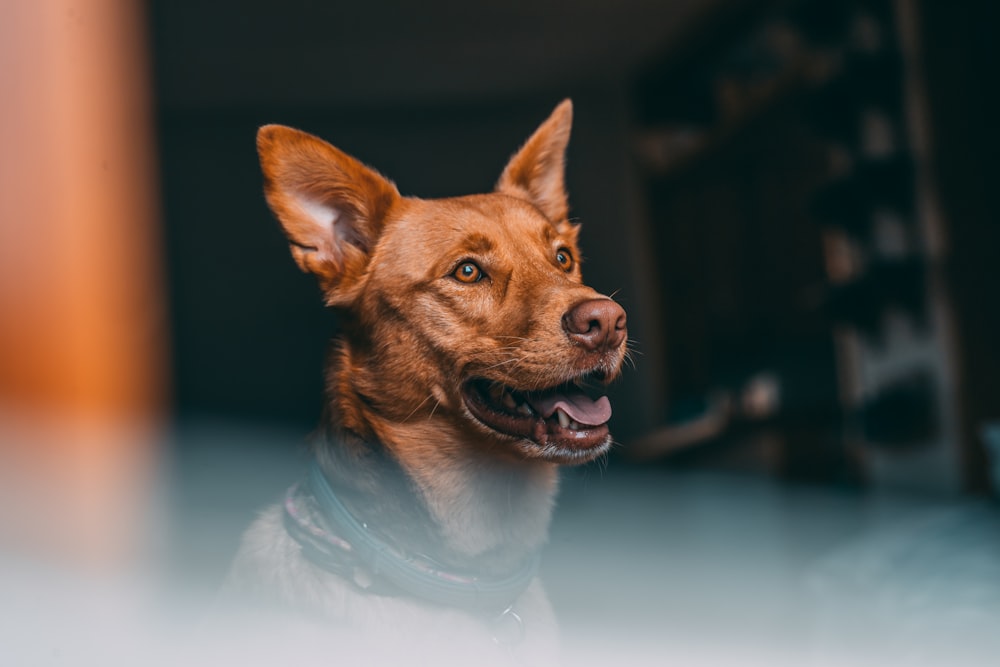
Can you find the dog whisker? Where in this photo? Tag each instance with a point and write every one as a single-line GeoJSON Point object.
{"type": "Point", "coordinates": [501, 350]}
{"type": "Point", "coordinates": [503, 363]}
{"type": "Point", "coordinates": [429, 397]}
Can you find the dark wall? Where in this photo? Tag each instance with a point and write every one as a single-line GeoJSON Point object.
{"type": "Point", "coordinates": [959, 60]}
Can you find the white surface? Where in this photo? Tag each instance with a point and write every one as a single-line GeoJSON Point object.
{"type": "Point", "coordinates": [645, 568]}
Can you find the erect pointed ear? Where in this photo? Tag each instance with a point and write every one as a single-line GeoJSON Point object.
{"type": "Point", "coordinates": [330, 206]}
{"type": "Point", "coordinates": [536, 173]}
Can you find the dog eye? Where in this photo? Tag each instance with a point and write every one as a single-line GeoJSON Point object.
{"type": "Point", "coordinates": [564, 258]}
{"type": "Point", "coordinates": [468, 272]}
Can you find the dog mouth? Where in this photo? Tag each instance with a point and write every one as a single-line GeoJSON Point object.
{"type": "Point", "coordinates": [565, 422]}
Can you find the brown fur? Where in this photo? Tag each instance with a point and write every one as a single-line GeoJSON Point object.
{"type": "Point", "coordinates": [399, 440]}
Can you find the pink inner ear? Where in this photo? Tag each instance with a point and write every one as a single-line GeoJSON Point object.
{"type": "Point", "coordinates": [322, 216]}
{"type": "Point", "coordinates": [312, 226]}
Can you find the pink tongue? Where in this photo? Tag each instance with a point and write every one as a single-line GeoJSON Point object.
{"type": "Point", "coordinates": [577, 406]}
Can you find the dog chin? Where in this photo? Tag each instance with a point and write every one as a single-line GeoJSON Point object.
{"type": "Point", "coordinates": [563, 454]}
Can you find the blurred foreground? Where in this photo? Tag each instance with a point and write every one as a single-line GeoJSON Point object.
{"type": "Point", "coordinates": [645, 566]}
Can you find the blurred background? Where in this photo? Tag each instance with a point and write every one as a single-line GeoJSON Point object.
{"type": "Point", "coordinates": [793, 200]}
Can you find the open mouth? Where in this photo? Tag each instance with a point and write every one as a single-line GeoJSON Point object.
{"type": "Point", "coordinates": [565, 421]}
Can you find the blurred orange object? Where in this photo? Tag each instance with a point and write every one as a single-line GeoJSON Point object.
{"type": "Point", "coordinates": [82, 309]}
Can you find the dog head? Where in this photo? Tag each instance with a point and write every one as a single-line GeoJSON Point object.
{"type": "Point", "coordinates": [471, 310]}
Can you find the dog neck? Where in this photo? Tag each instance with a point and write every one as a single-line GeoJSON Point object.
{"type": "Point", "coordinates": [441, 497]}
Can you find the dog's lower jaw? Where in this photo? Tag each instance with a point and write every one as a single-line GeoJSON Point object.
{"type": "Point", "coordinates": [569, 456]}
{"type": "Point", "coordinates": [546, 451]}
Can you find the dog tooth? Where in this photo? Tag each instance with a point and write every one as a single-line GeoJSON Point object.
{"type": "Point", "coordinates": [524, 409]}
{"type": "Point", "coordinates": [508, 401]}
{"type": "Point", "coordinates": [574, 424]}
{"type": "Point", "coordinates": [563, 418]}
{"type": "Point", "coordinates": [496, 391]}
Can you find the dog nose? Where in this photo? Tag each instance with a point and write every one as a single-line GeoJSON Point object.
{"type": "Point", "coordinates": [596, 324]}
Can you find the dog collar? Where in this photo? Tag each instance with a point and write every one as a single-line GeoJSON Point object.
{"type": "Point", "coordinates": [356, 553]}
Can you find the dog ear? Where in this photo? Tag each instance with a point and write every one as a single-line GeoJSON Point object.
{"type": "Point", "coordinates": [330, 206]}
{"type": "Point", "coordinates": [536, 173]}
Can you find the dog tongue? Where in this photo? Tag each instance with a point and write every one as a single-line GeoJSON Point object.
{"type": "Point", "coordinates": [577, 405]}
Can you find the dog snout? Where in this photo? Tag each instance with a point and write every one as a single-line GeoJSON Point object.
{"type": "Point", "coordinates": [597, 325]}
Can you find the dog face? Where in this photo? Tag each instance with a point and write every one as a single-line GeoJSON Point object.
{"type": "Point", "coordinates": [469, 310]}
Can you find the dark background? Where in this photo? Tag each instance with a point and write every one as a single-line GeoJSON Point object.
{"type": "Point", "coordinates": [708, 167]}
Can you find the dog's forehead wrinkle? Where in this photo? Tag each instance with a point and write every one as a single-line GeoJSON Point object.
{"type": "Point", "coordinates": [478, 242]}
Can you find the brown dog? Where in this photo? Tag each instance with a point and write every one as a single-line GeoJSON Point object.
{"type": "Point", "coordinates": [454, 391]}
